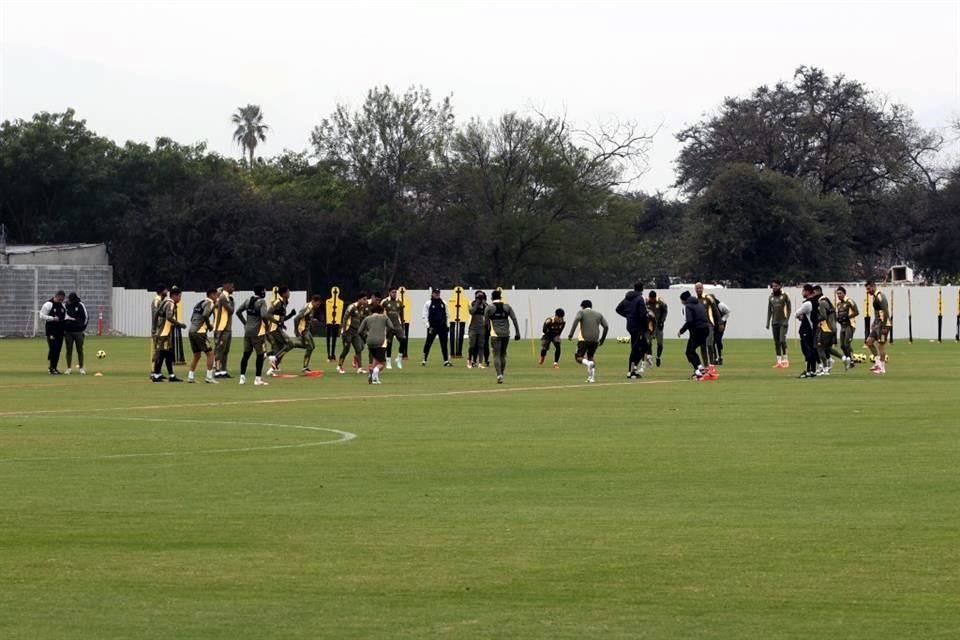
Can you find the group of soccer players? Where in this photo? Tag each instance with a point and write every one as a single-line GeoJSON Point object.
{"type": "Point", "coordinates": [369, 321]}
{"type": "Point", "coordinates": [824, 324]}
{"type": "Point", "coordinates": [374, 323]}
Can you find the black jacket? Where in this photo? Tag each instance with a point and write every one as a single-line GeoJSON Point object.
{"type": "Point", "coordinates": [634, 309]}
{"type": "Point", "coordinates": [696, 315]}
{"type": "Point", "coordinates": [78, 312]}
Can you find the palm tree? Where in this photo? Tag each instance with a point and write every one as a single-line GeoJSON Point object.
{"type": "Point", "coordinates": [250, 128]}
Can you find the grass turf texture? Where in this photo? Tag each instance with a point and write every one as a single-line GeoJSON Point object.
{"type": "Point", "coordinates": [756, 506]}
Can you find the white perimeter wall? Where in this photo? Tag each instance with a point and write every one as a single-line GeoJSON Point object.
{"type": "Point", "coordinates": [131, 309]}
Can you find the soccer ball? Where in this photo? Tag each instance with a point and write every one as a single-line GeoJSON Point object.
{"type": "Point", "coordinates": [101, 354]}
{"type": "Point", "coordinates": [623, 339]}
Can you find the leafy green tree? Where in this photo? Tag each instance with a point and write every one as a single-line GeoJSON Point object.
{"type": "Point", "coordinates": [538, 191]}
{"type": "Point", "coordinates": [941, 255]}
{"type": "Point", "coordinates": [392, 149]}
{"type": "Point", "coordinates": [251, 129]}
{"type": "Point", "coordinates": [55, 175]}
{"type": "Point", "coordinates": [752, 225]}
{"type": "Point", "coordinates": [833, 135]}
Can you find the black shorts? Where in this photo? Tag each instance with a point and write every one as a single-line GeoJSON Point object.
{"type": "Point", "coordinates": [588, 349]}
{"type": "Point", "coordinates": [377, 354]}
{"type": "Point", "coordinates": [199, 343]}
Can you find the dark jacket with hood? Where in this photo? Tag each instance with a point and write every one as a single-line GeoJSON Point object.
{"type": "Point", "coordinates": [634, 309]}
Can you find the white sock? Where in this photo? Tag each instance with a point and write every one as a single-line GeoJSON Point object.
{"type": "Point", "coordinates": [779, 359]}
{"type": "Point", "coordinates": [209, 374]}
{"type": "Point", "coordinates": [190, 375]}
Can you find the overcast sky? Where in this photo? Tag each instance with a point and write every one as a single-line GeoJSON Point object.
{"type": "Point", "coordinates": [137, 70]}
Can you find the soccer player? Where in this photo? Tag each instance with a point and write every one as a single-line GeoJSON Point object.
{"type": "Point", "coordinates": [778, 317]}
{"type": "Point", "coordinates": [807, 315]}
{"type": "Point", "coordinates": [161, 293]}
{"type": "Point", "coordinates": [695, 316]}
{"type": "Point", "coordinates": [877, 340]}
{"type": "Point", "coordinates": [709, 302]}
{"type": "Point", "coordinates": [254, 315]}
{"type": "Point", "coordinates": [436, 319]}
{"type": "Point", "coordinates": [477, 331]}
{"type": "Point", "coordinates": [393, 307]}
{"type": "Point", "coordinates": [498, 315]}
{"type": "Point", "coordinates": [552, 335]}
{"type": "Point", "coordinates": [277, 316]}
{"type": "Point", "coordinates": [54, 314]}
{"type": "Point", "coordinates": [373, 331]}
{"type": "Point", "coordinates": [303, 330]}
{"type": "Point", "coordinates": [353, 315]}
{"type": "Point", "coordinates": [847, 313]}
{"type": "Point", "coordinates": [163, 351]}
{"type": "Point", "coordinates": [657, 311]}
{"type": "Point", "coordinates": [634, 309]}
{"type": "Point", "coordinates": [589, 337]}
{"type": "Point", "coordinates": [199, 332]}
{"type": "Point", "coordinates": [223, 328]}
{"type": "Point", "coordinates": [74, 330]}
{"type": "Point", "coordinates": [826, 332]}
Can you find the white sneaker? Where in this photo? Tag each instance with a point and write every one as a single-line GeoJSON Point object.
{"type": "Point", "coordinates": [210, 380]}
{"type": "Point", "coordinates": [82, 371]}
{"type": "Point", "coordinates": [243, 379]}
{"type": "Point", "coordinates": [500, 379]}
{"type": "Point", "coordinates": [271, 372]}
{"type": "Point", "coordinates": [591, 379]}
{"type": "Point", "coordinates": [340, 369]}
{"type": "Point", "coordinates": [259, 382]}
{"type": "Point", "coordinates": [68, 371]}
{"type": "Point", "coordinates": [399, 362]}
{"type": "Point", "coordinates": [389, 366]}
{"type": "Point", "coordinates": [361, 370]}
{"type": "Point", "coordinates": [191, 378]}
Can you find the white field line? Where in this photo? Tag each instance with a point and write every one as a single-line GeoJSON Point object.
{"type": "Point", "coordinates": [349, 398]}
{"type": "Point", "coordinates": [344, 436]}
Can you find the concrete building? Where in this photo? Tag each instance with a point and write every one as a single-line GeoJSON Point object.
{"type": "Point", "coordinates": [31, 274]}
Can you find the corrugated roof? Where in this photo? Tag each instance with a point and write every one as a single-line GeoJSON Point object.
{"type": "Point", "coordinates": [39, 248]}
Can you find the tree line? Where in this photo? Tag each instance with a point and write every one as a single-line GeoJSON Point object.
{"type": "Point", "coordinates": [813, 179]}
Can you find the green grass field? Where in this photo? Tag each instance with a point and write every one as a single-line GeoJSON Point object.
{"type": "Point", "coordinates": [756, 506]}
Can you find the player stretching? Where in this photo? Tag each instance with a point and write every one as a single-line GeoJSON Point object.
{"type": "Point", "coordinates": [303, 331]}
{"type": "Point", "coordinates": [589, 338]}
{"type": "Point", "coordinates": [280, 342]}
{"type": "Point", "coordinates": [349, 332]}
{"type": "Point", "coordinates": [253, 315]}
{"type": "Point", "coordinates": [373, 331]}
{"type": "Point", "coordinates": [657, 311]}
{"type": "Point", "coordinates": [552, 335]}
{"type": "Point", "coordinates": [198, 334]}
